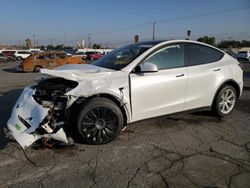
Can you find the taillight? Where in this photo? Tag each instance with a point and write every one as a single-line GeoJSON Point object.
{"type": "Point", "coordinates": [241, 65]}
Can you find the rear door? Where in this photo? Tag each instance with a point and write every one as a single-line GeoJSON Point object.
{"type": "Point", "coordinates": [52, 60]}
{"type": "Point", "coordinates": [61, 59]}
{"type": "Point", "coordinates": [205, 74]}
{"type": "Point", "coordinates": [162, 92]}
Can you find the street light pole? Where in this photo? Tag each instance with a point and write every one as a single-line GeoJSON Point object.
{"type": "Point", "coordinates": [89, 40]}
{"type": "Point", "coordinates": [153, 30]}
{"type": "Point", "coordinates": [34, 40]}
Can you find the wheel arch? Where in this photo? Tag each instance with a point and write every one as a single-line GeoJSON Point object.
{"type": "Point", "coordinates": [80, 101]}
{"type": "Point", "coordinates": [36, 67]}
{"type": "Point", "coordinates": [227, 82]}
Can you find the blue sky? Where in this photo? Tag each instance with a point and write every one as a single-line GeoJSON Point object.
{"type": "Point", "coordinates": [114, 22]}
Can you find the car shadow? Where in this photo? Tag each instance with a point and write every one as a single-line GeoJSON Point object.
{"type": "Point", "coordinates": [246, 88]}
{"type": "Point", "coordinates": [11, 70]}
{"type": "Point", "coordinates": [7, 101]}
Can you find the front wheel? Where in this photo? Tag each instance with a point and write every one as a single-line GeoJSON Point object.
{"type": "Point", "coordinates": [100, 121]}
{"type": "Point", "coordinates": [19, 58]}
{"type": "Point", "coordinates": [225, 100]}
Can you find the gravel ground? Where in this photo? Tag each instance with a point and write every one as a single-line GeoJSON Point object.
{"type": "Point", "coordinates": [186, 150]}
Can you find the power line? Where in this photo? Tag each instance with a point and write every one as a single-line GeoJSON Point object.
{"type": "Point", "coordinates": [166, 20]}
{"type": "Point", "coordinates": [202, 14]}
{"type": "Point", "coordinates": [77, 37]}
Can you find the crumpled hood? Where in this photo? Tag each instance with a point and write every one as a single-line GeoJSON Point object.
{"type": "Point", "coordinates": [77, 72]}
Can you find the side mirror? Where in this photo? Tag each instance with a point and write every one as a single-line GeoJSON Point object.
{"type": "Point", "coordinates": [148, 67]}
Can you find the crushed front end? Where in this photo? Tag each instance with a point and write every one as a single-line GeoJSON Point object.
{"type": "Point", "coordinates": [40, 111]}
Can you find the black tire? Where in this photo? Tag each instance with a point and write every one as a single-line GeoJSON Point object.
{"type": "Point", "coordinates": [37, 69]}
{"type": "Point", "coordinates": [19, 58]}
{"type": "Point", "coordinates": [99, 122]}
{"type": "Point", "coordinates": [219, 107]}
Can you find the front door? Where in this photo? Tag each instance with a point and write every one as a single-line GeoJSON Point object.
{"type": "Point", "coordinates": [163, 92]}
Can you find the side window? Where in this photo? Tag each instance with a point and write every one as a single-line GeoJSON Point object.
{"type": "Point", "coordinates": [40, 57]}
{"type": "Point", "coordinates": [199, 54]}
{"type": "Point", "coordinates": [168, 57]}
{"type": "Point", "coordinates": [61, 55]}
{"type": "Point", "coordinates": [46, 56]}
{"type": "Point", "coordinates": [52, 56]}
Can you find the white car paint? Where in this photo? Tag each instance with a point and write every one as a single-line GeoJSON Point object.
{"type": "Point", "coordinates": [145, 102]}
{"type": "Point", "coordinates": [22, 54]}
{"type": "Point", "coordinates": [142, 95]}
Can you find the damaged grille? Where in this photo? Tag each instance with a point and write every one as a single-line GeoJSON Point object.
{"type": "Point", "coordinates": [50, 94]}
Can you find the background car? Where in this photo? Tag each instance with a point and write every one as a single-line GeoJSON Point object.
{"type": "Point", "coordinates": [9, 54]}
{"type": "Point", "coordinates": [20, 55]}
{"type": "Point", "coordinates": [48, 60]}
{"type": "Point", "coordinates": [95, 56]}
{"type": "Point", "coordinates": [82, 54]}
{"type": "Point", "coordinates": [3, 57]}
{"type": "Point", "coordinates": [86, 56]}
{"type": "Point", "coordinates": [243, 55]}
{"type": "Point", "coordinates": [92, 55]}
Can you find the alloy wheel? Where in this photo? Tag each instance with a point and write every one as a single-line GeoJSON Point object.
{"type": "Point", "coordinates": [99, 124]}
{"type": "Point", "coordinates": [227, 101]}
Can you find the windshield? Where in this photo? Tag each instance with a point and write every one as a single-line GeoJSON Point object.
{"type": "Point", "coordinates": [121, 57]}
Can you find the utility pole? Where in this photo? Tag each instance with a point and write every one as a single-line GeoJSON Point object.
{"type": "Point", "coordinates": [89, 40]}
{"type": "Point", "coordinates": [153, 30]}
{"type": "Point", "coordinates": [64, 39]}
{"type": "Point", "coordinates": [34, 40]}
{"type": "Point", "coordinates": [51, 42]}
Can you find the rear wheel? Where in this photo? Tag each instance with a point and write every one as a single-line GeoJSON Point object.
{"type": "Point", "coordinates": [37, 69]}
{"type": "Point", "coordinates": [225, 100]}
{"type": "Point", "coordinates": [100, 121]}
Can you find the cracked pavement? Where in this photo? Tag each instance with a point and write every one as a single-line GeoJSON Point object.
{"type": "Point", "coordinates": [184, 150]}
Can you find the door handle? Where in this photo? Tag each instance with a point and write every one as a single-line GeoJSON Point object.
{"type": "Point", "coordinates": [180, 75]}
{"type": "Point", "coordinates": [216, 69]}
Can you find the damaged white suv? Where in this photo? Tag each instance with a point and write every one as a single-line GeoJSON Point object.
{"type": "Point", "coordinates": [138, 81]}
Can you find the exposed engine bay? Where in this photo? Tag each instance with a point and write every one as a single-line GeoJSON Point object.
{"type": "Point", "coordinates": [40, 111]}
{"type": "Point", "coordinates": [50, 94]}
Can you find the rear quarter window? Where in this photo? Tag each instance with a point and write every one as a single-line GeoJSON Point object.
{"type": "Point", "coordinates": [199, 54]}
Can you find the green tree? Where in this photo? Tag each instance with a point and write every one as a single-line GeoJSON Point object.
{"type": "Point", "coordinates": [41, 47]}
{"type": "Point", "coordinates": [28, 43]}
{"type": "Point", "coordinates": [207, 40]}
{"type": "Point", "coordinates": [59, 47]}
{"type": "Point", "coordinates": [233, 44]}
{"type": "Point", "coordinates": [50, 47]}
{"type": "Point", "coordinates": [96, 46]}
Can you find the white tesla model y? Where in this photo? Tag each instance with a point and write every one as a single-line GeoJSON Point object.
{"type": "Point", "coordinates": [135, 82]}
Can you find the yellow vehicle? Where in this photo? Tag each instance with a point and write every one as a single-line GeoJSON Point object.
{"type": "Point", "coordinates": [48, 60]}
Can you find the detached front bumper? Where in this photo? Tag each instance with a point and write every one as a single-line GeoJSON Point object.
{"type": "Point", "coordinates": [27, 115]}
